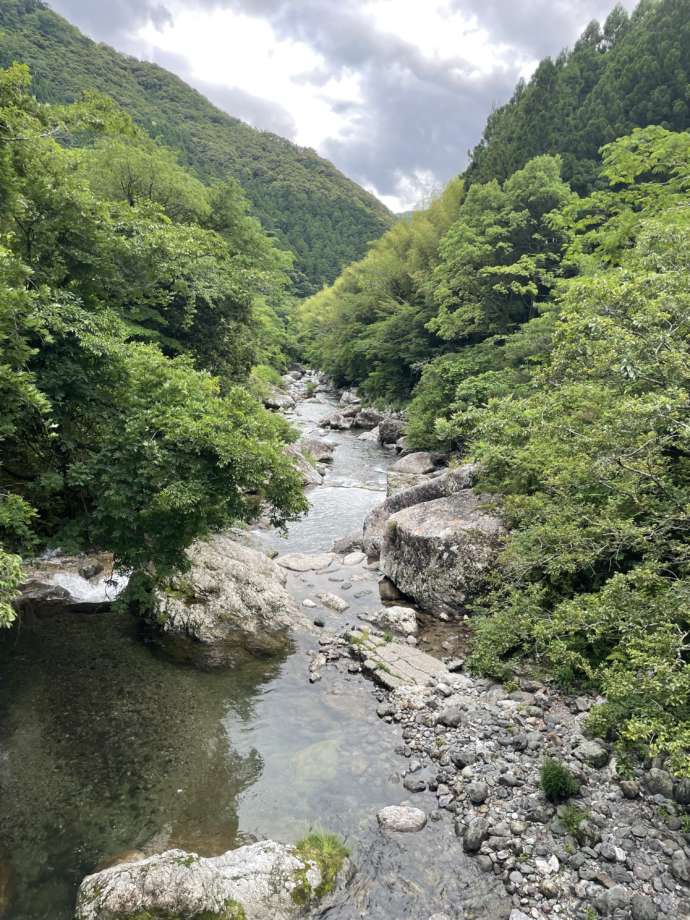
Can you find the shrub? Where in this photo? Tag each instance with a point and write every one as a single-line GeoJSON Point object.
{"type": "Point", "coordinates": [557, 782]}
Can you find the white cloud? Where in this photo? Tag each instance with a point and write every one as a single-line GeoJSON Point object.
{"type": "Point", "coordinates": [243, 52]}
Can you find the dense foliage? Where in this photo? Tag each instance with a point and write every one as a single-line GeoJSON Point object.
{"type": "Point", "coordinates": [312, 209]}
{"type": "Point", "coordinates": [546, 334]}
{"type": "Point", "coordinates": [631, 72]}
{"type": "Point", "coordinates": [133, 303]}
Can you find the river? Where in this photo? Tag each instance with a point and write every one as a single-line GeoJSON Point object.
{"type": "Point", "coordinates": [107, 745]}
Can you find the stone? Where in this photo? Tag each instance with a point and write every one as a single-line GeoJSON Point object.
{"type": "Point", "coordinates": [630, 788]}
{"type": "Point", "coordinates": [354, 558]}
{"type": "Point", "coordinates": [399, 620]}
{"type": "Point", "coordinates": [440, 552]}
{"type": "Point", "coordinates": [349, 398]}
{"type": "Point", "coordinates": [680, 866]}
{"type": "Point", "coordinates": [401, 819]}
{"type": "Point", "coordinates": [321, 450]}
{"type": "Point", "coordinates": [231, 601]}
{"type": "Point", "coordinates": [278, 400]}
{"type": "Point", "coordinates": [400, 482]}
{"type": "Point", "coordinates": [260, 878]}
{"type": "Point", "coordinates": [476, 832]}
{"type": "Point", "coordinates": [305, 562]}
{"type": "Point", "coordinates": [338, 421]}
{"type": "Point", "coordinates": [396, 664]}
{"type": "Point", "coordinates": [336, 603]}
{"type": "Point", "coordinates": [451, 717]}
{"type": "Point", "coordinates": [349, 544]}
{"type": "Point", "coordinates": [448, 483]}
{"type": "Point", "coordinates": [592, 753]}
{"type": "Point", "coordinates": [414, 784]}
{"type": "Point", "coordinates": [643, 908]}
{"type": "Point", "coordinates": [464, 756]}
{"type": "Point", "coordinates": [372, 436]}
{"type": "Point", "coordinates": [659, 782]}
{"type": "Point", "coordinates": [310, 475]}
{"type": "Point", "coordinates": [518, 915]}
{"type": "Point", "coordinates": [308, 602]}
{"type": "Point", "coordinates": [478, 792]}
{"type": "Point", "coordinates": [390, 429]}
{"type": "Point", "coordinates": [368, 419]}
{"type": "Point", "coordinates": [420, 462]}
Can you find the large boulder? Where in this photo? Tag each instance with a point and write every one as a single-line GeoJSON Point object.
{"type": "Point", "coordinates": [372, 436]}
{"type": "Point", "coordinates": [439, 552]}
{"type": "Point", "coordinates": [420, 462]}
{"type": "Point", "coordinates": [349, 398]}
{"type": "Point", "coordinates": [69, 584]}
{"type": "Point", "coordinates": [231, 603]}
{"type": "Point", "coordinates": [310, 475]}
{"type": "Point", "coordinates": [367, 418]}
{"type": "Point", "coordinates": [339, 421]}
{"type": "Point", "coordinates": [322, 451]}
{"type": "Point", "coordinates": [262, 881]}
{"type": "Point", "coordinates": [278, 400]}
{"type": "Point", "coordinates": [448, 483]}
{"type": "Point", "coordinates": [391, 429]}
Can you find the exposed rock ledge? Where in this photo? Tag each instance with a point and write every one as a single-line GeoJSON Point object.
{"type": "Point", "coordinates": [263, 881]}
{"type": "Point", "coordinates": [449, 483]}
{"type": "Point", "coordinates": [231, 602]}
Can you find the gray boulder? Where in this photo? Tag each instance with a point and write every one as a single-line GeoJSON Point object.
{"type": "Point", "coordinates": [439, 552]}
{"type": "Point", "coordinates": [322, 451]}
{"type": "Point", "coordinates": [278, 400]}
{"type": "Point", "coordinates": [338, 421]}
{"type": "Point", "coordinates": [420, 462]}
{"type": "Point", "coordinates": [368, 419]}
{"type": "Point", "coordinates": [475, 834]}
{"type": "Point", "coordinates": [349, 398]}
{"type": "Point", "coordinates": [257, 882]}
{"type": "Point", "coordinates": [399, 620]}
{"type": "Point", "coordinates": [448, 483]}
{"type": "Point", "coordinates": [372, 436]}
{"type": "Point", "coordinates": [399, 482]}
{"type": "Point", "coordinates": [310, 475]}
{"type": "Point", "coordinates": [390, 429]}
{"type": "Point", "coordinates": [402, 819]}
{"type": "Point", "coordinates": [232, 602]}
{"type": "Point", "coordinates": [348, 544]}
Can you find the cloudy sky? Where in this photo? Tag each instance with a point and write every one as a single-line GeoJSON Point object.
{"type": "Point", "coordinates": [394, 92]}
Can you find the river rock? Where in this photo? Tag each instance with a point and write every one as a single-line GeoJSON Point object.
{"type": "Point", "coordinates": [349, 398]}
{"type": "Point", "coordinates": [372, 435]}
{"type": "Point", "coordinates": [592, 753]}
{"type": "Point", "coordinates": [232, 600]}
{"type": "Point", "coordinates": [305, 562]}
{"type": "Point", "coordinates": [336, 603]}
{"type": "Point", "coordinates": [321, 450]}
{"type": "Point", "coordinates": [338, 421]}
{"type": "Point", "coordinates": [399, 482]}
{"type": "Point", "coordinates": [71, 584]}
{"type": "Point", "coordinates": [367, 418]}
{"type": "Point", "coordinates": [309, 473]}
{"type": "Point", "coordinates": [345, 545]}
{"type": "Point", "coordinates": [259, 878]}
{"type": "Point", "coordinates": [447, 483]}
{"type": "Point", "coordinates": [399, 620]}
{"type": "Point", "coordinates": [419, 463]}
{"type": "Point", "coordinates": [439, 552]}
{"type": "Point", "coordinates": [355, 558]}
{"type": "Point", "coordinates": [659, 782]}
{"type": "Point", "coordinates": [390, 429]}
{"type": "Point", "coordinates": [278, 400]}
{"type": "Point", "coordinates": [402, 819]}
{"type": "Point", "coordinates": [475, 834]}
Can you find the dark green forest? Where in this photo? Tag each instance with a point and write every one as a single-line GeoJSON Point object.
{"type": "Point", "coordinates": [536, 319]}
{"type": "Point", "coordinates": [302, 200]}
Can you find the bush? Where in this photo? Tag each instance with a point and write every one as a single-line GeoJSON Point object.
{"type": "Point", "coordinates": [557, 782]}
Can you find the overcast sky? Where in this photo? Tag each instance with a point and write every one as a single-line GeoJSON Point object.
{"type": "Point", "coordinates": [394, 92]}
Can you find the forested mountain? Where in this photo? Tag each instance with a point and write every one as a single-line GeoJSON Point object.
{"type": "Point", "coordinates": [323, 217]}
{"type": "Point", "coordinates": [630, 72]}
{"type": "Point", "coordinates": [539, 326]}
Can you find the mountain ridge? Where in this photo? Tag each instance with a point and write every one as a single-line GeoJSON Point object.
{"type": "Point", "coordinates": [324, 217]}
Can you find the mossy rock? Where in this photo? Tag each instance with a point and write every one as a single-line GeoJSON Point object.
{"type": "Point", "coordinates": [328, 853]}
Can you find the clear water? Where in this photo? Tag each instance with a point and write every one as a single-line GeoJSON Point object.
{"type": "Point", "coordinates": [108, 746]}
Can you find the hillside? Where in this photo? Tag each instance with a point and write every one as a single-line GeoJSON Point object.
{"type": "Point", "coordinates": [631, 72]}
{"type": "Point", "coordinates": [322, 216]}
